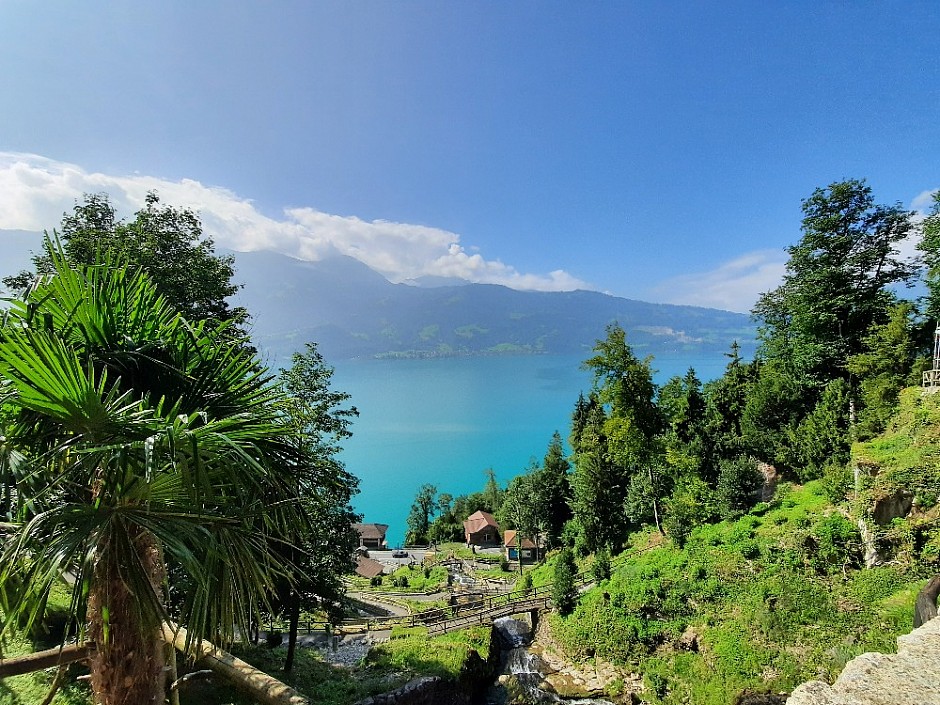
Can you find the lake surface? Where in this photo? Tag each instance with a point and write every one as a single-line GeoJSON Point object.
{"type": "Point", "coordinates": [444, 421]}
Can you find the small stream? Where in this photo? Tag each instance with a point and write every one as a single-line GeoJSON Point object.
{"type": "Point", "coordinates": [523, 672]}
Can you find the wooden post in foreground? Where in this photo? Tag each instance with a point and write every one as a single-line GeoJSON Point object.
{"type": "Point", "coordinates": [50, 658]}
{"type": "Point", "coordinates": [265, 689]}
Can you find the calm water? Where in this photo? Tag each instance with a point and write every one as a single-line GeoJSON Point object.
{"type": "Point", "coordinates": [445, 421]}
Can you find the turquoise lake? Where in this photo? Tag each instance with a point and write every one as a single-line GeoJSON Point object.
{"type": "Point", "coordinates": [444, 421]}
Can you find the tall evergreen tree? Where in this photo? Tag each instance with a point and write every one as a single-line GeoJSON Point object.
{"type": "Point", "coordinates": [555, 484]}
{"type": "Point", "coordinates": [883, 368]}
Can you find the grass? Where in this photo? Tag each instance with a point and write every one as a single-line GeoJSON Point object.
{"type": "Point", "coordinates": [766, 596]}
{"type": "Point", "coordinates": [32, 688]}
{"type": "Point", "coordinates": [409, 652]}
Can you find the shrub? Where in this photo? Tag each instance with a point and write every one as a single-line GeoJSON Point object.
{"type": "Point", "coordinates": [375, 581]}
{"type": "Point", "coordinates": [739, 486]}
{"type": "Point", "coordinates": [600, 570]}
{"type": "Point", "coordinates": [692, 503]}
{"type": "Point", "coordinates": [837, 480]}
{"type": "Point", "coordinates": [837, 544]}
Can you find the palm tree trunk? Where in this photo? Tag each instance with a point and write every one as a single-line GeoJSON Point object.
{"type": "Point", "coordinates": [127, 668]}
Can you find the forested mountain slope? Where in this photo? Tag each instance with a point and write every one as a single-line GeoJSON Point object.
{"type": "Point", "coordinates": [352, 311]}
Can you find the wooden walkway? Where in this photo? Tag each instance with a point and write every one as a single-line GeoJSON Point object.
{"type": "Point", "coordinates": [486, 615]}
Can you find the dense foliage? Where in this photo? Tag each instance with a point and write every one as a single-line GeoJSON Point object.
{"type": "Point", "coordinates": [151, 458]}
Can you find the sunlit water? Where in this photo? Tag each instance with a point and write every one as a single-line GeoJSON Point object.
{"type": "Point", "coordinates": [444, 421]}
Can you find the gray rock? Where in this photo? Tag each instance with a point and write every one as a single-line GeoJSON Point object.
{"type": "Point", "coordinates": [909, 677]}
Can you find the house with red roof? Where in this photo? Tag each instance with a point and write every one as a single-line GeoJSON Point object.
{"type": "Point", "coordinates": [512, 540]}
{"type": "Point", "coordinates": [481, 529]}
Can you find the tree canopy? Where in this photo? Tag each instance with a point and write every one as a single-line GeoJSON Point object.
{"type": "Point", "coordinates": [166, 242]}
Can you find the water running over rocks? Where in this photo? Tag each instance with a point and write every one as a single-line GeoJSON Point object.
{"type": "Point", "coordinates": [523, 674]}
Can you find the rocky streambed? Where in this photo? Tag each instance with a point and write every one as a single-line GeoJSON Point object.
{"type": "Point", "coordinates": [539, 673]}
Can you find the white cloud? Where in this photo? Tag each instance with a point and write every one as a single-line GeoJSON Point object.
{"type": "Point", "coordinates": [36, 191]}
{"type": "Point", "coordinates": [923, 201]}
{"type": "Point", "coordinates": [733, 286]}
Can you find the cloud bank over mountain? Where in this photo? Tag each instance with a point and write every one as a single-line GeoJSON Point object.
{"type": "Point", "coordinates": [37, 190]}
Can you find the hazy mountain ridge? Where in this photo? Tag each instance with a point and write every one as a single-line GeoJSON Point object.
{"type": "Point", "coordinates": [352, 311]}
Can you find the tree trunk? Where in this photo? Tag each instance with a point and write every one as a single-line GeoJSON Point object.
{"type": "Point", "coordinates": [659, 526]}
{"type": "Point", "coordinates": [294, 618]}
{"type": "Point", "coordinates": [127, 666]}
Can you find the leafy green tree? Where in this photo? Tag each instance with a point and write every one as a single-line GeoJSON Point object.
{"type": "Point", "coordinates": [419, 518]}
{"type": "Point", "coordinates": [322, 554]}
{"type": "Point", "coordinates": [166, 242]}
{"type": "Point", "coordinates": [625, 383]}
{"type": "Point", "coordinates": [929, 245]}
{"type": "Point", "coordinates": [777, 401]}
{"type": "Point", "coordinates": [629, 442]}
{"type": "Point", "coordinates": [564, 590]}
{"type": "Point", "coordinates": [682, 404]}
{"type": "Point", "coordinates": [691, 504]}
{"type": "Point", "coordinates": [148, 440]}
{"type": "Point", "coordinates": [598, 489]}
{"type": "Point", "coordinates": [524, 507]}
{"type": "Point", "coordinates": [823, 436]}
{"type": "Point", "coordinates": [837, 281]}
{"type": "Point", "coordinates": [640, 505]}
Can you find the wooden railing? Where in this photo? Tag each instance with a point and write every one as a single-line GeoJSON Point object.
{"type": "Point", "coordinates": [474, 608]}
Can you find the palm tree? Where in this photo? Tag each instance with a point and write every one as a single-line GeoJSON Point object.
{"type": "Point", "coordinates": [149, 441]}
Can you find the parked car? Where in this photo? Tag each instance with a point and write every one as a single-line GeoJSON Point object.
{"type": "Point", "coordinates": [399, 553]}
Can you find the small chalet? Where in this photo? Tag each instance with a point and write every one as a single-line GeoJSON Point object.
{"type": "Point", "coordinates": [481, 529]}
{"type": "Point", "coordinates": [371, 535]}
{"type": "Point", "coordinates": [511, 540]}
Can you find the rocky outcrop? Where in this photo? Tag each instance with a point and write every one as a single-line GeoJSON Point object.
{"type": "Point", "coordinates": [585, 679]}
{"type": "Point", "coordinates": [771, 480]}
{"type": "Point", "coordinates": [891, 507]}
{"type": "Point", "coordinates": [925, 608]}
{"type": "Point", "coordinates": [909, 677]}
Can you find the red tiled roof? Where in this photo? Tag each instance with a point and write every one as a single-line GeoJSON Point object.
{"type": "Point", "coordinates": [509, 539]}
{"type": "Point", "coordinates": [478, 521]}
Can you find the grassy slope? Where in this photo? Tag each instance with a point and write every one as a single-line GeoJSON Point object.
{"type": "Point", "coordinates": [768, 612]}
{"type": "Point", "coordinates": [776, 597]}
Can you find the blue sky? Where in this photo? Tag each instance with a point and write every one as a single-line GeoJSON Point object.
{"type": "Point", "coordinates": [655, 150]}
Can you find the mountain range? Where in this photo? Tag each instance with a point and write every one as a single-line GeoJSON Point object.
{"type": "Point", "coordinates": [352, 311]}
